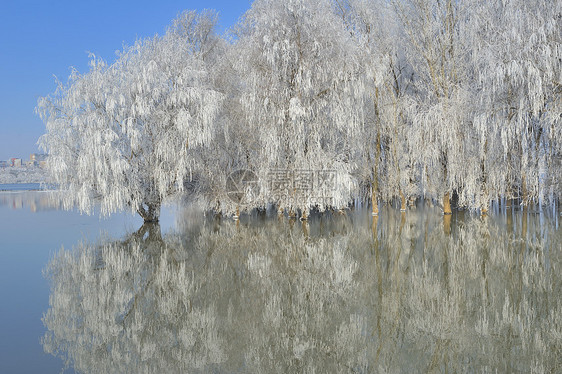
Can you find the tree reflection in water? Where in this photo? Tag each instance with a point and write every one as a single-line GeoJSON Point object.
{"type": "Point", "coordinates": [398, 293]}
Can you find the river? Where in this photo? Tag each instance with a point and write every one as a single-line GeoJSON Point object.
{"type": "Point", "coordinates": [413, 292]}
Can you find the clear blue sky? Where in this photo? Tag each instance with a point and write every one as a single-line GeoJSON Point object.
{"type": "Point", "coordinates": [43, 39]}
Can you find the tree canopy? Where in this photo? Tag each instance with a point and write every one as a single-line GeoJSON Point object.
{"type": "Point", "coordinates": [401, 99]}
{"type": "Point", "coordinates": [128, 134]}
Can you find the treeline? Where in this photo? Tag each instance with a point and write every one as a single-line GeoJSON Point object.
{"type": "Point", "coordinates": [398, 99]}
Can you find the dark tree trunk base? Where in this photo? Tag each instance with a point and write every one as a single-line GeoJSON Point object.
{"type": "Point", "coordinates": [150, 212]}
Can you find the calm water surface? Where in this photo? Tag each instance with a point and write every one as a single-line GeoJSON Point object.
{"type": "Point", "coordinates": [32, 230]}
{"type": "Point", "coordinates": [20, 186]}
{"type": "Point", "coordinates": [414, 292]}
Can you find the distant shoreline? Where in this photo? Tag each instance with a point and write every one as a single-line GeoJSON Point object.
{"type": "Point", "coordinates": [23, 175]}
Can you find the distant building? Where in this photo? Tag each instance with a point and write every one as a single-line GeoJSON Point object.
{"type": "Point", "coordinates": [16, 162]}
{"type": "Point", "coordinates": [38, 159]}
{"type": "Point", "coordinates": [3, 164]}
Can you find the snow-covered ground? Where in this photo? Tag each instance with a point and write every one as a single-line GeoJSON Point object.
{"type": "Point", "coordinates": [23, 175]}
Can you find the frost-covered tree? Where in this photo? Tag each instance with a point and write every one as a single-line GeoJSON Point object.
{"type": "Point", "coordinates": [459, 101]}
{"type": "Point", "coordinates": [518, 54]}
{"type": "Point", "coordinates": [233, 142]}
{"type": "Point", "coordinates": [439, 106]}
{"type": "Point", "coordinates": [128, 134]}
{"type": "Point", "coordinates": [386, 161]}
{"type": "Point", "coordinates": [301, 97]}
{"type": "Point", "coordinates": [325, 101]}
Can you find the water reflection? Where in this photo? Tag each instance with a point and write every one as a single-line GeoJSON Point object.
{"type": "Point", "coordinates": [398, 293]}
{"type": "Point", "coordinates": [33, 200]}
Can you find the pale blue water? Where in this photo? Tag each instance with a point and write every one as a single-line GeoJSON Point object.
{"type": "Point", "coordinates": [20, 186]}
{"type": "Point", "coordinates": [32, 229]}
{"type": "Point", "coordinates": [405, 293]}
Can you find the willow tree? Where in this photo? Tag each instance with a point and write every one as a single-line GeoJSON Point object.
{"type": "Point", "coordinates": [518, 48]}
{"type": "Point", "coordinates": [388, 166]}
{"type": "Point", "coordinates": [302, 96]}
{"type": "Point", "coordinates": [124, 134]}
{"type": "Point", "coordinates": [439, 106]}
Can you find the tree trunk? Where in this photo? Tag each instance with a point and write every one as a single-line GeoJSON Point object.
{"type": "Point", "coordinates": [150, 212]}
{"type": "Point", "coordinates": [374, 202]}
{"type": "Point", "coordinates": [524, 200]}
{"type": "Point", "coordinates": [402, 202]}
{"type": "Point", "coordinates": [292, 213]}
{"type": "Point", "coordinates": [446, 204]}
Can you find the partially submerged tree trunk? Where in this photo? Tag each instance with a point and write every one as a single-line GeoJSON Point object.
{"type": "Point", "coordinates": [446, 204]}
{"type": "Point", "coordinates": [524, 197]}
{"type": "Point", "coordinates": [375, 182]}
{"type": "Point", "coordinates": [150, 212]}
{"type": "Point", "coordinates": [374, 202]}
{"type": "Point", "coordinates": [292, 213]}
{"type": "Point", "coordinates": [402, 202]}
{"type": "Point", "coordinates": [484, 188]}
